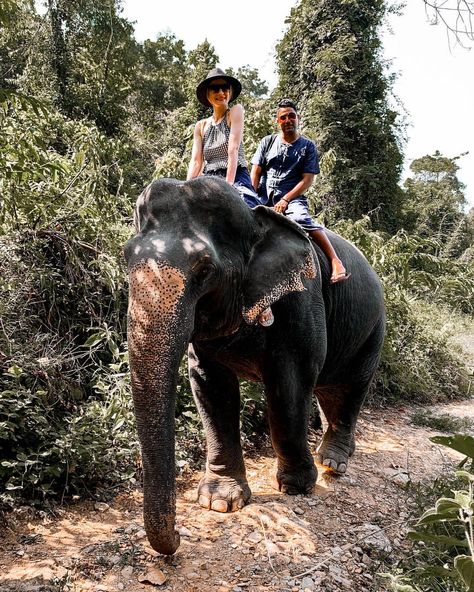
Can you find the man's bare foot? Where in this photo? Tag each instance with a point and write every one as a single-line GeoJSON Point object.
{"type": "Point", "coordinates": [266, 317]}
{"type": "Point", "coordinates": [339, 273]}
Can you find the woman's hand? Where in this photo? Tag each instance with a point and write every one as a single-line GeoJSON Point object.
{"type": "Point", "coordinates": [281, 206]}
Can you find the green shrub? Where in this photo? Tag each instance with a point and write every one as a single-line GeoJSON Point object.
{"type": "Point", "coordinates": [57, 448]}
{"type": "Point", "coordinates": [442, 423]}
{"type": "Point", "coordinates": [443, 556]}
{"type": "Point", "coordinates": [418, 360]}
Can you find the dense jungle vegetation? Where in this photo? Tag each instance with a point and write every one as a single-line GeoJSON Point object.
{"type": "Point", "coordinates": [88, 116]}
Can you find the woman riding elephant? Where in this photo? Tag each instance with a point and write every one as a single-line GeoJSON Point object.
{"type": "Point", "coordinates": [217, 142]}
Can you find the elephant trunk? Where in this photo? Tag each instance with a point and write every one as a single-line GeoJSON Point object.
{"type": "Point", "coordinates": [158, 332]}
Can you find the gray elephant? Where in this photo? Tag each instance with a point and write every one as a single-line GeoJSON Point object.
{"type": "Point", "coordinates": [202, 267]}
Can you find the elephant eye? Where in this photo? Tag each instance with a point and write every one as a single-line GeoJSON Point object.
{"type": "Point", "coordinates": [203, 271]}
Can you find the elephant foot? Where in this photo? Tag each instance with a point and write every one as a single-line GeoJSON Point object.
{"type": "Point", "coordinates": [223, 494]}
{"type": "Point", "coordinates": [295, 482]}
{"type": "Point", "coordinates": [335, 450]}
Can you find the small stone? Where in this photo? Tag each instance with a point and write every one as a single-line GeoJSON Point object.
{"type": "Point", "coordinates": [192, 575]}
{"type": "Point", "coordinates": [307, 583]}
{"type": "Point", "coordinates": [298, 510]}
{"type": "Point", "coordinates": [399, 477]}
{"type": "Point", "coordinates": [374, 537]}
{"type": "Point", "coordinates": [131, 528]}
{"type": "Point", "coordinates": [120, 586]}
{"type": "Point", "coordinates": [88, 548]}
{"type": "Point", "coordinates": [236, 589]}
{"type": "Point", "coordinates": [366, 559]}
{"type": "Point", "coordinates": [238, 568]}
{"type": "Point", "coordinates": [127, 571]}
{"type": "Point", "coordinates": [115, 559]}
{"type": "Point", "coordinates": [141, 534]}
{"type": "Point", "coordinates": [255, 536]}
{"type": "Point", "coordinates": [153, 576]}
{"type": "Point", "coordinates": [101, 506]}
{"type": "Point", "coordinates": [185, 532]}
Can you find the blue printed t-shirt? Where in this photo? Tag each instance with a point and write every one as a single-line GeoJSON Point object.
{"type": "Point", "coordinates": [285, 164]}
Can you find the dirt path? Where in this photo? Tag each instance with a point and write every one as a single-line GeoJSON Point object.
{"type": "Point", "coordinates": [332, 540]}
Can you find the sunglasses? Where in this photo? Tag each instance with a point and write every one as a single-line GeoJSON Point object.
{"type": "Point", "coordinates": [285, 116]}
{"type": "Point", "coordinates": [217, 87]}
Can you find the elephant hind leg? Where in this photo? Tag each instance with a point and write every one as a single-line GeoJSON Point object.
{"type": "Point", "coordinates": [341, 404]}
{"type": "Point", "coordinates": [338, 442]}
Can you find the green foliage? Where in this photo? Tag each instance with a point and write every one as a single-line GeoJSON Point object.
{"type": "Point", "coordinates": [446, 532]}
{"type": "Point", "coordinates": [330, 63]}
{"type": "Point", "coordinates": [418, 361]}
{"type": "Point", "coordinates": [434, 202]}
{"type": "Point", "coordinates": [55, 447]}
{"type": "Point", "coordinates": [441, 423]}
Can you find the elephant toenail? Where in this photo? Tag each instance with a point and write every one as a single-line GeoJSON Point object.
{"type": "Point", "coordinates": [219, 506]}
{"type": "Point", "coordinates": [342, 468]}
{"type": "Point", "coordinates": [239, 505]}
{"type": "Point", "coordinates": [203, 501]}
{"type": "Point", "coordinates": [330, 463]}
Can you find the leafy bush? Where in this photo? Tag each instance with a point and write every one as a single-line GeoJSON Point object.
{"type": "Point", "coordinates": [443, 422]}
{"type": "Point", "coordinates": [418, 361]}
{"type": "Point", "coordinates": [444, 534]}
{"type": "Point", "coordinates": [59, 448]}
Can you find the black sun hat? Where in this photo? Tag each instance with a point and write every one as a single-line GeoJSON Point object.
{"type": "Point", "coordinates": [215, 74]}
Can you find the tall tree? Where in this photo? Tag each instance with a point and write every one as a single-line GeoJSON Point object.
{"type": "Point", "coordinates": [92, 55]}
{"type": "Point", "coordinates": [435, 201]}
{"type": "Point", "coordinates": [330, 62]}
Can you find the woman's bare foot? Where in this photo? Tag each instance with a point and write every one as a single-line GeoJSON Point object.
{"type": "Point", "coordinates": [266, 317]}
{"type": "Point", "coordinates": [339, 273]}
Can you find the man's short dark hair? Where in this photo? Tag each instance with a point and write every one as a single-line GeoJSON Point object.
{"type": "Point", "coordinates": [287, 104]}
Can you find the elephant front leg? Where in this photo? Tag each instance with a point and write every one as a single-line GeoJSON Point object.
{"type": "Point", "coordinates": [224, 487]}
{"type": "Point", "coordinates": [289, 401]}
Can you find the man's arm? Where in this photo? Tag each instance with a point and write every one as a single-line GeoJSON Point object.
{"type": "Point", "coordinates": [298, 189]}
{"type": "Point", "coordinates": [255, 175]}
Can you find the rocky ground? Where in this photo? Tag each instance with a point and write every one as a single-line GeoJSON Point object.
{"type": "Point", "coordinates": [336, 539]}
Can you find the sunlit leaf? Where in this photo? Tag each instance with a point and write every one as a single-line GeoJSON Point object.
{"type": "Point", "coordinates": [465, 567]}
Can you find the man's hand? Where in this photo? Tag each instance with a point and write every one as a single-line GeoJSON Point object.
{"type": "Point", "coordinates": [281, 206]}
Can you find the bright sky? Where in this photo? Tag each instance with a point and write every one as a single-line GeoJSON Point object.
{"type": "Point", "coordinates": [435, 84]}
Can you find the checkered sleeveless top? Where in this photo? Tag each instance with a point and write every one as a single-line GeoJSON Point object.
{"type": "Point", "coordinates": [215, 146]}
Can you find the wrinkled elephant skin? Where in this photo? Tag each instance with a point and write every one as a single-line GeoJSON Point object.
{"type": "Point", "coordinates": [202, 267]}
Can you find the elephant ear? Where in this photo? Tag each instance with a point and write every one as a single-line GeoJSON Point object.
{"type": "Point", "coordinates": [279, 259]}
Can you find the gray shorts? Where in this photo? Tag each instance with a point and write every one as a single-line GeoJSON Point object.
{"type": "Point", "coordinates": [298, 211]}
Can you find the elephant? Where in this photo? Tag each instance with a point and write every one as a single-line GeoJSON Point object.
{"type": "Point", "coordinates": [202, 267]}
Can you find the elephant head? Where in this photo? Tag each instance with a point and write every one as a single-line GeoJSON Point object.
{"type": "Point", "coordinates": [201, 261]}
